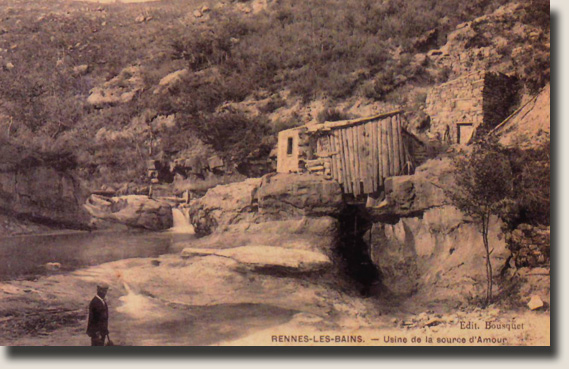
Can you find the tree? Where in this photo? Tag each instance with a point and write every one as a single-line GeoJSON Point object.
{"type": "Point", "coordinates": [484, 188]}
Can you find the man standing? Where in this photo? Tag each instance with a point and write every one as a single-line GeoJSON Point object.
{"type": "Point", "coordinates": [98, 324]}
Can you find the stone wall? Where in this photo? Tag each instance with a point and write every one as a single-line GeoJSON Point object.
{"type": "Point", "coordinates": [481, 98]}
{"type": "Point", "coordinates": [530, 246]}
{"type": "Point", "coordinates": [293, 162]}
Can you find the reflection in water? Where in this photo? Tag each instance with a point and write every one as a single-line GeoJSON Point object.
{"type": "Point", "coordinates": [26, 256]}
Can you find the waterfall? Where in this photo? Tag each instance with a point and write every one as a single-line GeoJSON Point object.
{"type": "Point", "coordinates": [181, 222]}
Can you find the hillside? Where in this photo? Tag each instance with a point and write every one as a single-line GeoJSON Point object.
{"type": "Point", "coordinates": [116, 85]}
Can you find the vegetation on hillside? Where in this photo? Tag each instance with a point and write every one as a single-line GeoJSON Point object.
{"type": "Point", "coordinates": [313, 49]}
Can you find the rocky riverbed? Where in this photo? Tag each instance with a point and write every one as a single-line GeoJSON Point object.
{"type": "Point", "coordinates": [207, 299]}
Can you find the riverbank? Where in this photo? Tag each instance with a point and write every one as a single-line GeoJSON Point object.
{"type": "Point", "coordinates": [10, 226]}
{"type": "Point", "coordinates": [204, 300]}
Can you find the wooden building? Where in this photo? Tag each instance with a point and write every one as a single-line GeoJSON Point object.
{"type": "Point", "coordinates": [359, 154]}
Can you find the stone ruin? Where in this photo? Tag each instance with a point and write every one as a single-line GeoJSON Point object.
{"type": "Point", "coordinates": [470, 105]}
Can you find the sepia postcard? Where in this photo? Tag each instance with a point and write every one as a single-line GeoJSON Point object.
{"type": "Point", "coordinates": [274, 173]}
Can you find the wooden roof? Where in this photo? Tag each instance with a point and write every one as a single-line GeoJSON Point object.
{"type": "Point", "coordinates": [326, 126]}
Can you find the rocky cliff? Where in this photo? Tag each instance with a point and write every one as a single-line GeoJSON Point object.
{"type": "Point", "coordinates": [40, 188]}
{"type": "Point", "coordinates": [426, 247]}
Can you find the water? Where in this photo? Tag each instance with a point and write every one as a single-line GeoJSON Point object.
{"type": "Point", "coordinates": [25, 256]}
{"type": "Point", "coordinates": [181, 222]}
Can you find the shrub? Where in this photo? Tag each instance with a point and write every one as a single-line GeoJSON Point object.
{"type": "Point", "coordinates": [332, 115]}
{"type": "Point", "coordinates": [532, 182]}
{"type": "Point", "coordinates": [234, 135]}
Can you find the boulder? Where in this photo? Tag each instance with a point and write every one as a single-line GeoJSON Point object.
{"type": "Point", "coordinates": [290, 196]}
{"type": "Point", "coordinates": [133, 211]}
{"type": "Point", "coordinates": [52, 267]}
{"type": "Point", "coordinates": [224, 205]}
{"type": "Point", "coordinates": [532, 282]}
{"type": "Point", "coordinates": [535, 303]}
{"type": "Point", "coordinates": [81, 70]}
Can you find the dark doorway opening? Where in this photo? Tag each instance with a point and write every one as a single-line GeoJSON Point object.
{"type": "Point", "coordinates": [353, 252]}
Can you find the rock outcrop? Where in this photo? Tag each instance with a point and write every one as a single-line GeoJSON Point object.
{"type": "Point", "coordinates": [413, 194]}
{"type": "Point", "coordinates": [275, 197]}
{"type": "Point", "coordinates": [439, 254]}
{"type": "Point", "coordinates": [268, 258]}
{"type": "Point", "coordinates": [119, 90]}
{"type": "Point", "coordinates": [285, 196]}
{"type": "Point", "coordinates": [423, 245]}
{"type": "Point", "coordinates": [132, 211]}
{"type": "Point", "coordinates": [39, 188]}
{"type": "Point", "coordinates": [482, 44]}
{"type": "Point", "coordinates": [225, 205]}
{"type": "Point", "coordinates": [171, 81]}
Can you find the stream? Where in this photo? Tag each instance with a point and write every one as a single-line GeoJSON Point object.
{"type": "Point", "coordinates": [25, 257]}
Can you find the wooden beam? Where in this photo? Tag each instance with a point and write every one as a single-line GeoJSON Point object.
{"type": "Point", "coordinates": [397, 161]}
{"type": "Point", "coordinates": [389, 135]}
{"type": "Point", "coordinates": [354, 154]}
{"type": "Point", "coordinates": [336, 159]}
{"type": "Point", "coordinates": [377, 158]}
{"type": "Point", "coordinates": [380, 152]}
{"type": "Point", "coordinates": [345, 164]}
{"type": "Point", "coordinates": [365, 157]}
{"type": "Point", "coordinates": [368, 181]}
{"type": "Point", "coordinates": [349, 160]}
{"type": "Point", "coordinates": [402, 148]}
{"type": "Point", "coordinates": [329, 139]}
{"type": "Point", "coordinates": [373, 142]}
{"type": "Point", "coordinates": [342, 164]}
{"type": "Point", "coordinates": [332, 161]}
{"type": "Point", "coordinates": [358, 151]}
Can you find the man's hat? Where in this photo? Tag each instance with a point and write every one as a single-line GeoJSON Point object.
{"type": "Point", "coordinates": [103, 285]}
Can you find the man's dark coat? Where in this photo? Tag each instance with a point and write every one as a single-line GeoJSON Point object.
{"type": "Point", "coordinates": [98, 324]}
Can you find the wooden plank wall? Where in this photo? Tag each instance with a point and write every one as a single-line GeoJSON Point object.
{"type": "Point", "coordinates": [365, 154]}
